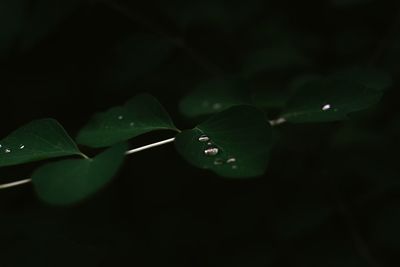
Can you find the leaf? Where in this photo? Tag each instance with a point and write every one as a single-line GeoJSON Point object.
{"type": "Point", "coordinates": [70, 181]}
{"type": "Point", "coordinates": [329, 100]}
{"type": "Point", "coordinates": [141, 114]}
{"type": "Point", "coordinates": [213, 96]}
{"type": "Point", "coordinates": [38, 140]}
{"type": "Point", "coordinates": [12, 15]}
{"type": "Point", "coordinates": [45, 17]}
{"type": "Point", "coordinates": [233, 143]}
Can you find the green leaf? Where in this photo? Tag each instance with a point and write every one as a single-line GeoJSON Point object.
{"type": "Point", "coordinates": [329, 100]}
{"type": "Point", "coordinates": [38, 140]}
{"type": "Point", "coordinates": [45, 17]}
{"type": "Point", "coordinates": [213, 96]}
{"type": "Point", "coordinates": [140, 115]}
{"type": "Point", "coordinates": [69, 181]}
{"type": "Point", "coordinates": [233, 143]}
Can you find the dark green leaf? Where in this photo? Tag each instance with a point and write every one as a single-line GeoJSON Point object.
{"type": "Point", "coordinates": [139, 115]}
{"type": "Point", "coordinates": [329, 100]}
{"type": "Point", "coordinates": [212, 97]}
{"type": "Point", "coordinates": [70, 181]}
{"type": "Point", "coordinates": [233, 143]}
{"type": "Point", "coordinates": [38, 140]}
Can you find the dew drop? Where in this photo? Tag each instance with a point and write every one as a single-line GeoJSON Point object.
{"type": "Point", "coordinates": [217, 106]}
{"type": "Point", "coordinates": [21, 146]}
{"type": "Point", "coordinates": [1, 145]}
{"type": "Point", "coordinates": [212, 151]}
{"type": "Point", "coordinates": [218, 161]}
{"type": "Point", "coordinates": [204, 138]}
{"type": "Point", "coordinates": [209, 143]}
{"type": "Point", "coordinates": [120, 117]}
{"type": "Point", "coordinates": [7, 150]}
{"type": "Point", "coordinates": [231, 160]}
{"type": "Point", "coordinates": [326, 107]}
{"type": "Point", "coordinates": [132, 124]}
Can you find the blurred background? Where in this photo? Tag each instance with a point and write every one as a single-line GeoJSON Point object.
{"type": "Point", "coordinates": [331, 194]}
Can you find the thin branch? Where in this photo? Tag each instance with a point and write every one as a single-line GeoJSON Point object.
{"type": "Point", "coordinates": [149, 146]}
{"type": "Point", "coordinates": [13, 184]}
{"type": "Point", "coordinates": [129, 152]}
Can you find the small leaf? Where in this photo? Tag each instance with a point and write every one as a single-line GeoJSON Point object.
{"type": "Point", "coordinates": [38, 140]}
{"type": "Point", "coordinates": [329, 100]}
{"type": "Point", "coordinates": [212, 97]}
{"type": "Point", "coordinates": [233, 143]}
{"type": "Point", "coordinates": [139, 115]}
{"type": "Point", "coordinates": [69, 181]}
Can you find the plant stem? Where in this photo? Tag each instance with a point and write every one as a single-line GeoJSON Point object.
{"type": "Point", "coordinates": [13, 184]}
{"type": "Point", "coordinates": [150, 146]}
{"type": "Point", "coordinates": [129, 152]}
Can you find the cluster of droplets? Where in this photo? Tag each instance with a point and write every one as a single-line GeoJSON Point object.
{"type": "Point", "coordinates": [212, 151]}
{"type": "Point", "coordinates": [131, 124]}
{"type": "Point", "coordinates": [8, 150]}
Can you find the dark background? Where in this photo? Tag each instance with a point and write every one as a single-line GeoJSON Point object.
{"type": "Point", "coordinates": [330, 196]}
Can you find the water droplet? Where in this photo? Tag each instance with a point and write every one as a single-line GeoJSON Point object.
{"type": "Point", "coordinates": [132, 124]}
{"type": "Point", "coordinates": [212, 151]}
{"type": "Point", "coordinates": [209, 143]}
{"type": "Point", "coordinates": [7, 150]}
{"type": "Point", "coordinates": [21, 146]}
{"type": "Point", "coordinates": [217, 106]}
{"type": "Point", "coordinates": [234, 167]}
{"type": "Point", "coordinates": [218, 161]}
{"type": "Point", "coordinates": [1, 145]}
{"type": "Point", "coordinates": [231, 160]}
{"type": "Point", "coordinates": [204, 138]}
{"type": "Point", "coordinates": [326, 107]}
{"type": "Point", "coordinates": [120, 117]}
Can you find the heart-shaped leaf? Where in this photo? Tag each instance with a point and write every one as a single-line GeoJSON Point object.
{"type": "Point", "coordinates": [140, 115]}
{"type": "Point", "coordinates": [212, 97]}
{"type": "Point", "coordinates": [70, 181]}
{"type": "Point", "coordinates": [38, 140]}
{"type": "Point", "coordinates": [233, 143]}
{"type": "Point", "coordinates": [329, 100]}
